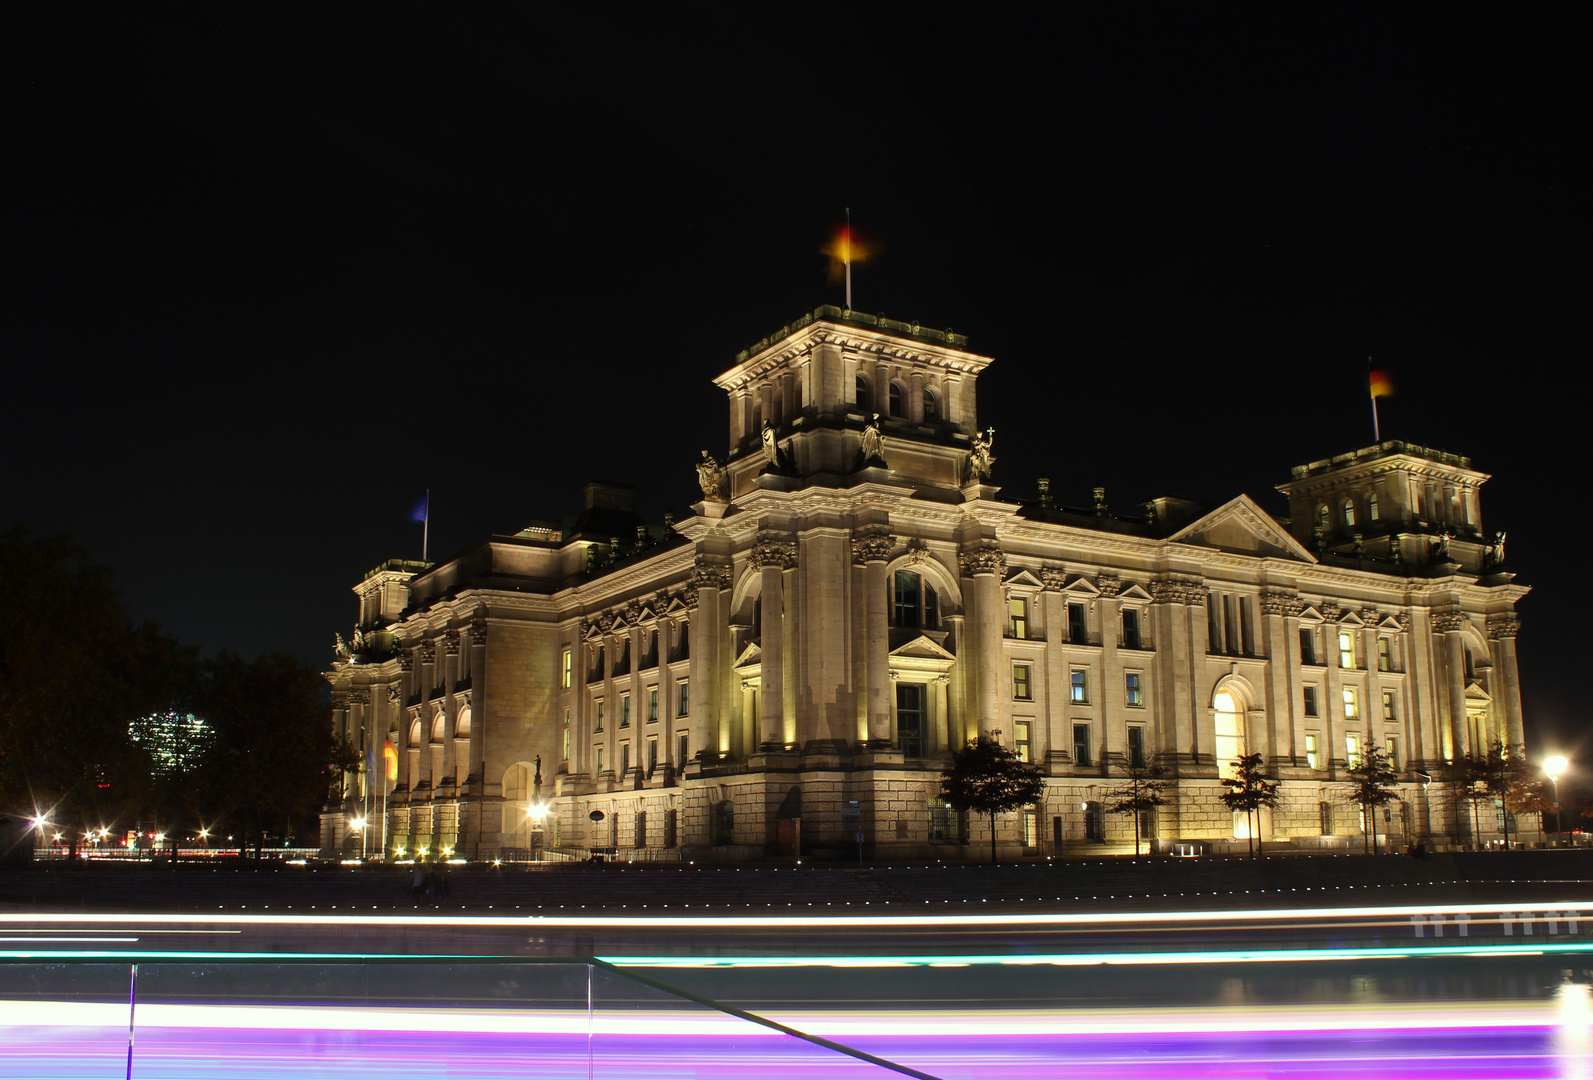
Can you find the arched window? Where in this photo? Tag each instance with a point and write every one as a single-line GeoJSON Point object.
{"type": "Point", "coordinates": [898, 400]}
{"type": "Point", "coordinates": [1371, 507]}
{"type": "Point", "coordinates": [1349, 512]}
{"type": "Point", "coordinates": [415, 733]}
{"type": "Point", "coordinates": [931, 407]}
{"type": "Point", "coordinates": [863, 396]}
{"type": "Point", "coordinates": [462, 724]}
{"type": "Point", "coordinates": [913, 602]}
{"type": "Point", "coordinates": [1229, 743]}
{"type": "Point", "coordinates": [437, 726]}
{"type": "Point", "coordinates": [1322, 515]}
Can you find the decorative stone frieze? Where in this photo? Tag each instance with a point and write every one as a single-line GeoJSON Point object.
{"type": "Point", "coordinates": [710, 575]}
{"type": "Point", "coordinates": [688, 596]}
{"type": "Point", "coordinates": [359, 696]}
{"type": "Point", "coordinates": [406, 661]}
{"type": "Point", "coordinates": [1403, 618]}
{"type": "Point", "coordinates": [918, 551]}
{"type": "Point", "coordinates": [873, 547]}
{"type": "Point", "coordinates": [427, 654]}
{"type": "Point", "coordinates": [1449, 622]}
{"type": "Point", "coordinates": [1371, 616]}
{"type": "Point", "coordinates": [988, 559]}
{"type": "Point", "coordinates": [1330, 611]}
{"type": "Point", "coordinates": [1053, 578]}
{"type": "Point", "coordinates": [770, 551]}
{"type": "Point", "coordinates": [451, 642]}
{"type": "Point", "coordinates": [340, 699]}
{"type": "Point", "coordinates": [1109, 584]}
{"type": "Point", "coordinates": [1281, 602]}
{"type": "Point", "coordinates": [1506, 625]}
{"type": "Point", "coordinates": [478, 632]}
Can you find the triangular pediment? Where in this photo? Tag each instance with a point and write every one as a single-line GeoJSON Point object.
{"type": "Point", "coordinates": [1475, 692]}
{"type": "Point", "coordinates": [752, 654]}
{"type": "Point", "coordinates": [1388, 622]}
{"type": "Point", "coordinates": [1025, 577]}
{"type": "Point", "coordinates": [1311, 614]}
{"type": "Point", "coordinates": [594, 632]}
{"type": "Point", "coordinates": [923, 648]}
{"type": "Point", "coordinates": [1083, 587]}
{"type": "Point", "coordinates": [1134, 592]}
{"type": "Point", "coordinates": [1240, 526]}
{"type": "Point", "coordinates": [675, 606]}
{"type": "Point", "coordinates": [1349, 618]}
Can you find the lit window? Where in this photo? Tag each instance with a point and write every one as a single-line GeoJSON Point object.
{"type": "Point", "coordinates": [898, 405]}
{"type": "Point", "coordinates": [1392, 746]}
{"type": "Point", "coordinates": [566, 735]}
{"type": "Point", "coordinates": [1313, 754]}
{"type": "Point", "coordinates": [1310, 701]}
{"type": "Point", "coordinates": [1385, 659]}
{"type": "Point", "coordinates": [1371, 508]}
{"type": "Point", "coordinates": [1020, 739]}
{"type": "Point", "coordinates": [1229, 742]}
{"type": "Point", "coordinates": [1031, 829]}
{"type": "Point", "coordinates": [1078, 688]}
{"type": "Point", "coordinates": [1351, 709]}
{"type": "Point", "coordinates": [911, 730]}
{"type": "Point", "coordinates": [1135, 694]}
{"type": "Point", "coordinates": [566, 664]}
{"type": "Point", "coordinates": [1349, 512]}
{"type": "Point", "coordinates": [1352, 750]}
{"type": "Point", "coordinates": [1346, 649]}
{"type": "Point", "coordinates": [1388, 705]}
{"type": "Point", "coordinates": [1017, 617]}
{"type": "Point", "coordinates": [1020, 682]}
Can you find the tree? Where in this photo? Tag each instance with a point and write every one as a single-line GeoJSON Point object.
{"type": "Point", "coordinates": [1372, 785]}
{"type": "Point", "coordinates": [1502, 771]}
{"type": "Point", "coordinates": [985, 777]}
{"type": "Point", "coordinates": [1142, 790]}
{"type": "Point", "coordinates": [1465, 785]}
{"type": "Point", "coordinates": [1249, 789]}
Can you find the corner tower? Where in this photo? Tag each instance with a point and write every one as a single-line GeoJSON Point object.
{"type": "Point", "coordinates": [822, 381]}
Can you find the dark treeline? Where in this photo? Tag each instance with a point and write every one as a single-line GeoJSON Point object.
{"type": "Point", "coordinates": [80, 682]}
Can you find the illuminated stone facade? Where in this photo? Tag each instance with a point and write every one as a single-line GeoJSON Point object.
{"type": "Point", "coordinates": [787, 669]}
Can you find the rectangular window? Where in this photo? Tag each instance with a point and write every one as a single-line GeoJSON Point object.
{"type": "Point", "coordinates": [942, 824]}
{"type": "Point", "coordinates": [1310, 701]}
{"type": "Point", "coordinates": [1388, 705]}
{"type": "Point", "coordinates": [652, 704]}
{"type": "Point", "coordinates": [1021, 689]}
{"type": "Point", "coordinates": [1352, 750]}
{"type": "Point", "coordinates": [907, 600]}
{"type": "Point", "coordinates": [1130, 628]}
{"type": "Point", "coordinates": [1352, 709]}
{"type": "Point", "coordinates": [1385, 659]}
{"type": "Point", "coordinates": [1078, 688]}
{"type": "Point", "coordinates": [669, 828]}
{"type": "Point", "coordinates": [1136, 747]}
{"type": "Point", "coordinates": [1247, 626]}
{"type": "Point", "coordinates": [684, 705]}
{"type": "Point", "coordinates": [566, 661]}
{"type": "Point", "coordinates": [1081, 744]}
{"type": "Point", "coordinates": [1078, 630]}
{"type": "Point", "coordinates": [911, 728]}
{"type": "Point", "coordinates": [1031, 829]}
{"type": "Point", "coordinates": [680, 753]}
{"type": "Point", "coordinates": [1230, 626]}
{"type": "Point", "coordinates": [1307, 646]}
{"type": "Point", "coordinates": [625, 759]}
{"type": "Point", "coordinates": [1324, 813]}
{"type": "Point", "coordinates": [625, 710]}
{"type": "Point", "coordinates": [599, 761]}
{"type": "Point", "coordinates": [1020, 740]}
{"type": "Point", "coordinates": [1213, 627]}
{"type": "Point", "coordinates": [1391, 744]}
{"type": "Point", "coordinates": [566, 735]}
{"type": "Point", "coordinates": [599, 705]}
{"type": "Point", "coordinates": [1313, 750]}
{"type": "Point", "coordinates": [652, 755]}
{"type": "Point", "coordinates": [1134, 693]}
{"type": "Point", "coordinates": [641, 828]}
{"type": "Point", "coordinates": [1018, 617]}
{"type": "Point", "coordinates": [1346, 650]}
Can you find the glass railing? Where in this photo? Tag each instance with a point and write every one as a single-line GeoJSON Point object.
{"type": "Point", "coordinates": [394, 1019]}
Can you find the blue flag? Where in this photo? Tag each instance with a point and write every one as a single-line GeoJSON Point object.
{"type": "Point", "coordinates": [422, 509]}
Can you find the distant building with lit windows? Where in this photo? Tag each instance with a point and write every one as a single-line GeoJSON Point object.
{"type": "Point", "coordinates": [789, 667]}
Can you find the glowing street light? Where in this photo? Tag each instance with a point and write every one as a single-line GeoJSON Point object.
{"type": "Point", "coordinates": [1553, 767]}
{"type": "Point", "coordinates": [358, 825]}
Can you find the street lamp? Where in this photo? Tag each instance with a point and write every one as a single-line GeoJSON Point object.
{"type": "Point", "coordinates": [358, 825]}
{"type": "Point", "coordinates": [1553, 767]}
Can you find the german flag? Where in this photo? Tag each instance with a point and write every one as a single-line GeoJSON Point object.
{"type": "Point", "coordinates": [1379, 382]}
{"type": "Point", "coordinates": [390, 758]}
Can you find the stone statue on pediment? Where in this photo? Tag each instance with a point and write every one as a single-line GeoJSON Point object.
{"type": "Point", "coordinates": [980, 459]}
{"type": "Point", "coordinates": [341, 647]}
{"type": "Point", "coordinates": [771, 447]}
{"type": "Point", "coordinates": [873, 447]}
{"type": "Point", "coordinates": [711, 475]}
{"type": "Point", "coordinates": [1440, 549]}
{"type": "Point", "coordinates": [1496, 550]}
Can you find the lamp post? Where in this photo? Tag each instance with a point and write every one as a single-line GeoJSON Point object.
{"type": "Point", "coordinates": [1553, 767]}
{"type": "Point", "coordinates": [358, 825]}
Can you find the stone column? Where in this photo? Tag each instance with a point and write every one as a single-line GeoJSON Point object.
{"type": "Point", "coordinates": [874, 552]}
{"type": "Point", "coordinates": [1503, 629]}
{"type": "Point", "coordinates": [940, 739]}
{"type": "Point", "coordinates": [985, 564]}
{"type": "Point", "coordinates": [1054, 605]}
{"type": "Point", "coordinates": [1280, 616]}
{"type": "Point", "coordinates": [703, 672]}
{"type": "Point", "coordinates": [1333, 690]}
{"type": "Point", "coordinates": [1451, 625]}
{"type": "Point", "coordinates": [478, 718]}
{"type": "Point", "coordinates": [450, 661]}
{"type": "Point", "coordinates": [1111, 689]}
{"type": "Point", "coordinates": [771, 558]}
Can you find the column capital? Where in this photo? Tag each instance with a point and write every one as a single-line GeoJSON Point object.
{"type": "Point", "coordinates": [359, 696]}
{"type": "Point", "coordinates": [873, 547]}
{"type": "Point", "coordinates": [988, 558]}
{"type": "Point", "coordinates": [1449, 622]}
{"type": "Point", "coordinates": [1178, 591]}
{"type": "Point", "coordinates": [1053, 578]}
{"type": "Point", "coordinates": [773, 552]}
{"type": "Point", "coordinates": [451, 642]}
{"type": "Point", "coordinates": [340, 699]}
{"type": "Point", "coordinates": [1109, 584]}
{"type": "Point", "coordinates": [707, 573]}
{"type": "Point", "coordinates": [1281, 602]}
{"type": "Point", "coordinates": [1505, 625]}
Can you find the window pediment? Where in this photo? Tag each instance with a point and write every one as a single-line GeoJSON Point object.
{"type": "Point", "coordinates": [1025, 579]}
{"type": "Point", "coordinates": [1135, 594]}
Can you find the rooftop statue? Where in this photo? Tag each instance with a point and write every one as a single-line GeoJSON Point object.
{"type": "Point", "coordinates": [711, 475]}
{"type": "Point", "coordinates": [771, 448]}
{"type": "Point", "coordinates": [980, 459]}
{"type": "Point", "coordinates": [873, 447]}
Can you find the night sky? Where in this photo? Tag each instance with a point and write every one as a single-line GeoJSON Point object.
{"type": "Point", "coordinates": [271, 273]}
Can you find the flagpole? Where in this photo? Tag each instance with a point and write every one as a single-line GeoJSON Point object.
{"type": "Point", "coordinates": [425, 529]}
{"type": "Point", "coordinates": [847, 250]}
{"type": "Point", "coordinates": [1377, 431]}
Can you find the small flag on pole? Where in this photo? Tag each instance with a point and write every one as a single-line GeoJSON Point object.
{"type": "Point", "coordinates": [390, 758]}
{"type": "Point", "coordinates": [1380, 384]}
{"type": "Point", "coordinates": [844, 249]}
{"type": "Point", "coordinates": [422, 513]}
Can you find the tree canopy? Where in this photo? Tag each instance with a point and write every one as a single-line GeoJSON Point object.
{"type": "Point", "coordinates": [985, 777]}
{"type": "Point", "coordinates": [1372, 781]}
{"type": "Point", "coordinates": [1143, 789]}
{"type": "Point", "coordinates": [1249, 789]}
